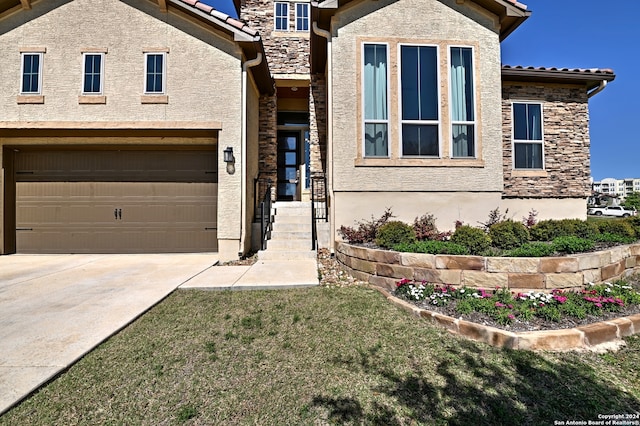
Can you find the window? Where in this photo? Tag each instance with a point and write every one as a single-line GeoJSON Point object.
{"type": "Point", "coordinates": [31, 73]}
{"type": "Point", "coordinates": [281, 16]}
{"type": "Point", "coordinates": [375, 99]}
{"type": "Point", "coordinates": [154, 73]}
{"type": "Point", "coordinates": [302, 16]}
{"type": "Point", "coordinates": [93, 67]}
{"type": "Point", "coordinates": [462, 102]}
{"type": "Point", "coordinates": [420, 100]}
{"type": "Point", "coordinates": [527, 136]}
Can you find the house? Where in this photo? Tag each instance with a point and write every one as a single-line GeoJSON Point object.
{"type": "Point", "coordinates": [116, 118]}
{"type": "Point", "coordinates": [423, 118]}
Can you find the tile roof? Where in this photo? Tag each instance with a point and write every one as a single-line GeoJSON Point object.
{"type": "Point", "coordinates": [220, 17]}
{"type": "Point", "coordinates": [582, 71]}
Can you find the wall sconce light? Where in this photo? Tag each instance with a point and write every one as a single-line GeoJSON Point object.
{"type": "Point", "coordinates": [228, 155]}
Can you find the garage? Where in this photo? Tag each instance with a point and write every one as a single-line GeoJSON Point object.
{"type": "Point", "coordinates": [116, 200]}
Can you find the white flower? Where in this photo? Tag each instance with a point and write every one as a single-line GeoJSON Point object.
{"type": "Point", "coordinates": [608, 290]}
{"type": "Point", "coordinates": [462, 290]}
{"type": "Point", "coordinates": [608, 284]}
{"type": "Point", "coordinates": [435, 302]}
{"type": "Point", "coordinates": [433, 296]}
{"type": "Point", "coordinates": [591, 284]}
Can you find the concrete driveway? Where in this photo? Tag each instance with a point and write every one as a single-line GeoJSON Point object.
{"type": "Point", "coordinates": [56, 308]}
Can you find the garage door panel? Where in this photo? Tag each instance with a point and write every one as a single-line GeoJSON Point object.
{"type": "Point", "coordinates": [72, 211]}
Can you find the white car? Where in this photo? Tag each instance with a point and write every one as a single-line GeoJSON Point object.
{"type": "Point", "coordinates": [612, 211]}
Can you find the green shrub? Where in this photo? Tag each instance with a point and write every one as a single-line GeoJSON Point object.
{"type": "Point", "coordinates": [508, 234]}
{"type": "Point", "coordinates": [532, 249]}
{"type": "Point", "coordinates": [432, 247]}
{"type": "Point", "coordinates": [394, 232]}
{"type": "Point", "coordinates": [616, 227]}
{"type": "Point", "coordinates": [425, 227]}
{"type": "Point", "coordinates": [548, 230]}
{"type": "Point", "coordinates": [613, 238]}
{"type": "Point", "coordinates": [634, 222]}
{"type": "Point", "coordinates": [367, 229]}
{"type": "Point", "coordinates": [474, 239]}
{"type": "Point", "coordinates": [572, 244]}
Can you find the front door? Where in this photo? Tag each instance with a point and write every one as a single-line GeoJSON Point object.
{"type": "Point", "coordinates": [288, 165]}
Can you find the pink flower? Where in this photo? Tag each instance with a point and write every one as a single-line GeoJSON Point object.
{"type": "Point", "coordinates": [511, 316]}
{"type": "Point", "coordinates": [499, 305]}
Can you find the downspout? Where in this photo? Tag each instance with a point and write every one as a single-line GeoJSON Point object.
{"type": "Point", "coordinates": [600, 88]}
{"type": "Point", "coordinates": [243, 153]}
{"type": "Point", "coordinates": [327, 35]}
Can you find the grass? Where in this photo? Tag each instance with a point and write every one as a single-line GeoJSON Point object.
{"type": "Point", "coordinates": [321, 356]}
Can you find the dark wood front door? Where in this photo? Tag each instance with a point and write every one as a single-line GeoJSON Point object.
{"type": "Point", "coordinates": [288, 165]}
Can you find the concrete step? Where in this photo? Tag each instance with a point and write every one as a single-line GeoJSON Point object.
{"type": "Point", "coordinates": [286, 254]}
{"type": "Point", "coordinates": [292, 219]}
{"type": "Point", "coordinates": [284, 244]}
{"type": "Point", "coordinates": [291, 204]}
{"type": "Point", "coordinates": [294, 211]}
{"type": "Point", "coordinates": [291, 235]}
{"type": "Point", "coordinates": [290, 227]}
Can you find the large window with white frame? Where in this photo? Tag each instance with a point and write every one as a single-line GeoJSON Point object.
{"type": "Point", "coordinates": [31, 83]}
{"type": "Point", "coordinates": [420, 102]}
{"type": "Point", "coordinates": [462, 102]}
{"type": "Point", "coordinates": [375, 100]}
{"type": "Point", "coordinates": [155, 73]}
{"type": "Point", "coordinates": [93, 71]}
{"type": "Point", "coordinates": [302, 16]}
{"type": "Point", "coordinates": [281, 16]}
{"type": "Point", "coordinates": [528, 150]}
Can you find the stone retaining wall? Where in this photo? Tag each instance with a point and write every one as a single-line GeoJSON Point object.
{"type": "Point", "coordinates": [384, 268]}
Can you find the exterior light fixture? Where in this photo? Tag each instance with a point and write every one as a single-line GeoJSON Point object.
{"type": "Point", "coordinates": [228, 155]}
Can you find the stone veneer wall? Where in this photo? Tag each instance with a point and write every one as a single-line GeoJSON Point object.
{"type": "Point", "coordinates": [384, 268]}
{"type": "Point", "coordinates": [318, 123]}
{"type": "Point", "coordinates": [267, 140]}
{"type": "Point", "coordinates": [566, 142]}
{"type": "Point", "coordinates": [287, 51]}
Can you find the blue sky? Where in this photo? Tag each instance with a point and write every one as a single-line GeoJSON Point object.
{"type": "Point", "coordinates": [584, 34]}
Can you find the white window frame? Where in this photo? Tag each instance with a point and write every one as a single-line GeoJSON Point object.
{"type": "Point", "coordinates": [419, 122]}
{"type": "Point", "coordinates": [362, 101]}
{"type": "Point", "coordinates": [307, 7]}
{"type": "Point", "coordinates": [164, 73]}
{"type": "Point", "coordinates": [475, 102]}
{"type": "Point", "coordinates": [40, 55]}
{"type": "Point", "coordinates": [515, 141]}
{"type": "Point", "coordinates": [84, 64]}
{"type": "Point", "coordinates": [276, 17]}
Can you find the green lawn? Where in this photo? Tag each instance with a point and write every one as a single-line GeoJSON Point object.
{"type": "Point", "coordinates": [321, 356]}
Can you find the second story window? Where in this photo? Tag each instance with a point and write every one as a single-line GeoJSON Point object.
{"type": "Point", "coordinates": [92, 75]}
{"type": "Point", "coordinates": [302, 16]}
{"type": "Point", "coordinates": [31, 74]}
{"type": "Point", "coordinates": [281, 16]}
{"type": "Point", "coordinates": [154, 73]}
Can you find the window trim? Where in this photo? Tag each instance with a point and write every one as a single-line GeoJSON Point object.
{"type": "Point", "coordinates": [401, 121]}
{"type": "Point", "coordinates": [40, 55]}
{"type": "Point", "coordinates": [276, 16]}
{"type": "Point", "coordinates": [515, 141]}
{"type": "Point", "coordinates": [164, 73]}
{"type": "Point", "coordinates": [307, 18]}
{"type": "Point", "coordinates": [475, 102]}
{"type": "Point", "coordinates": [364, 120]}
{"type": "Point", "coordinates": [84, 75]}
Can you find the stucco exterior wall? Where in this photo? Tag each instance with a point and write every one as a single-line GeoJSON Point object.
{"type": "Point", "coordinates": [203, 75]}
{"type": "Point", "coordinates": [565, 116]}
{"type": "Point", "coordinates": [441, 22]}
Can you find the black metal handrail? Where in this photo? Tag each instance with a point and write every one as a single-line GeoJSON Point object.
{"type": "Point", "coordinates": [319, 205]}
{"type": "Point", "coordinates": [263, 210]}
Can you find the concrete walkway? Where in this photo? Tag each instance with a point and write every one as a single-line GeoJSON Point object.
{"type": "Point", "coordinates": [56, 308]}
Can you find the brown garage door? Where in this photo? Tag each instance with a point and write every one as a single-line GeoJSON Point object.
{"type": "Point", "coordinates": [116, 201]}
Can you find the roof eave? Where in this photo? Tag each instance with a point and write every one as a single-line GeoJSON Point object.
{"type": "Point", "coordinates": [588, 78]}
